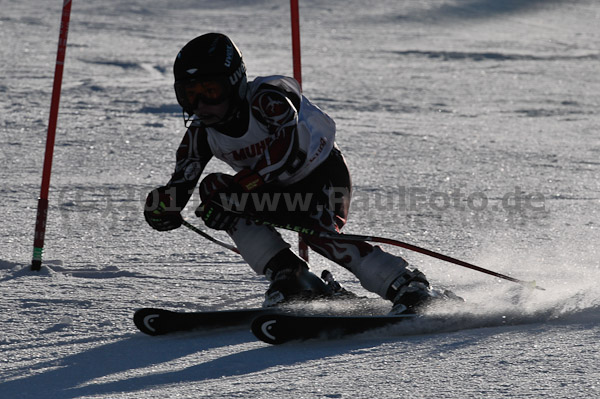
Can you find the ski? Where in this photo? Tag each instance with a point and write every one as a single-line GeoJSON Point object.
{"type": "Point", "coordinates": [153, 321]}
{"type": "Point", "coordinates": [280, 328]}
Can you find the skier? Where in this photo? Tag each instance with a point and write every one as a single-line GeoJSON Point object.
{"type": "Point", "coordinates": [289, 169]}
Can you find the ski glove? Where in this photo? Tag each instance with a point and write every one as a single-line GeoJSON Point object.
{"type": "Point", "coordinates": [161, 212]}
{"type": "Point", "coordinates": [216, 189]}
{"type": "Point", "coordinates": [216, 217]}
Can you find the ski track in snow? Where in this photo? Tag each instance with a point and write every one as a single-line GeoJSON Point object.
{"type": "Point", "coordinates": [470, 128]}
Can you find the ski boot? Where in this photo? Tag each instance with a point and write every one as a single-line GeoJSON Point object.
{"type": "Point", "coordinates": [411, 293]}
{"type": "Point", "coordinates": [337, 291]}
{"type": "Point", "coordinates": [291, 280]}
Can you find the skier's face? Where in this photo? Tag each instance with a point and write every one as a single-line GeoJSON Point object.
{"type": "Point", "coordinates": [211, 113]}
{"type": "Point", "coordinates": [207, 97]}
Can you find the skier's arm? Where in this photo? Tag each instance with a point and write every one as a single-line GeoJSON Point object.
{"type": "Point", "coordinates": [192, 156]}
{"type": "Point", "coordinates": [164, 204]}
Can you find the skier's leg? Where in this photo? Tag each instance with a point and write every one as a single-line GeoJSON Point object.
{"type": "Point", "coordinates": [378, 271]}
{"type": "Point", "coordinates": [263, 248]}
{"type": "Point", "coordinates": [257, 244]}
{"type": "Point", "coordinates": [267, 253]}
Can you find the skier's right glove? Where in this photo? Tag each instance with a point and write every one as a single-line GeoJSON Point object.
{"type": "Point", "coordinates": [160, 211]}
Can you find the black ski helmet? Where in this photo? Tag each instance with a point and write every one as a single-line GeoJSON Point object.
{"type": "Point", "coordinates": [210, 57]}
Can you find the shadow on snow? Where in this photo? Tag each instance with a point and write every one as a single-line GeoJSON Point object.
{"type": "Point", "coordinates": [73, 376]}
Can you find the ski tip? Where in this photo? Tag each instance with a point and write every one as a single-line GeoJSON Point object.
{"type": "Point", "coordinates": [268, 329]}
{"type": "Point", "coordinates": [147, 320]}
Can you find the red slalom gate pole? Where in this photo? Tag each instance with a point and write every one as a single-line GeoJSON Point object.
{"type": "Point", "coordinates": [296, 41]}
{"type": "Point", "coordinates": [295, 14]}
{"type": "Point", "coordinates": [42, 210]}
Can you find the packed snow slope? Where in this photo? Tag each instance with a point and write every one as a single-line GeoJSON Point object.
{"type": "Point", "coordinates": [470, 126]}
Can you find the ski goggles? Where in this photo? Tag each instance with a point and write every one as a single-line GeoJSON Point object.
{"type": "Point", "coordinates": [211, 91]}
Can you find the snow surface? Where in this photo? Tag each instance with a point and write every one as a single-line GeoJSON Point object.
{"type": "Point", "coordinates": [470, 126]}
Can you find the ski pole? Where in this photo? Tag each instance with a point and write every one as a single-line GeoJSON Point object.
{"type": "Point", "coordinates": [209, 237]}
{"type": "Point", "coordinates": [381, 240]}
{"type": "Point", "coordinates": [390, 241]}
